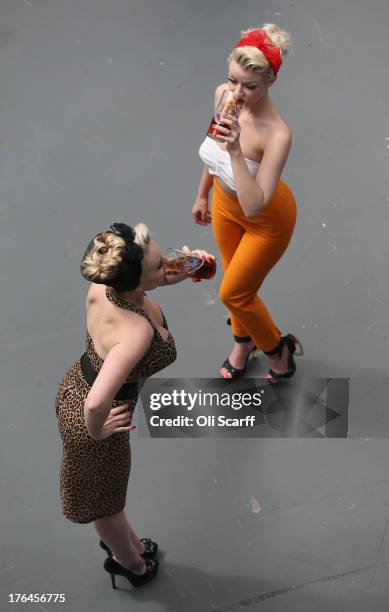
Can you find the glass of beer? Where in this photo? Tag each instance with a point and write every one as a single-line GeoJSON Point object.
{"type": "Point", "coordinates": [227, 104]}
{"type": "Point", "coordinates": [178, 262]}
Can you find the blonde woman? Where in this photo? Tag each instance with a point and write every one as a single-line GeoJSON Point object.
{"type": "Point", "coordinates": [253, 210]}
{"type": "Point", "coordinates": [127, 341]}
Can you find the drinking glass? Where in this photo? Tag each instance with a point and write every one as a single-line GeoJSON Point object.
{"type": "Point", "coordinates": [227, 104]}
{"type": "Point", "coordinates": [178, 262]}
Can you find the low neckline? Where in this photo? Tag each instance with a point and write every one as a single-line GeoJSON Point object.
{"type": "Point", "coordinates": [121, 303]}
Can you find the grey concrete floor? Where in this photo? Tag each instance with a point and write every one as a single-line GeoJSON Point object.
{"type": "Point", "coordinates": [103, 107]}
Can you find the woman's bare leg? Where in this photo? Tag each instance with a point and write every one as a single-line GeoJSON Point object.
{"type": "Point", "coordinates": [117, 533]}
{"type": "Point", "coordinates": [140, 547]}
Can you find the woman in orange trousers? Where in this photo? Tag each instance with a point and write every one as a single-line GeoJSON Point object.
{"type": "Point", "coordinates": [253, 211]}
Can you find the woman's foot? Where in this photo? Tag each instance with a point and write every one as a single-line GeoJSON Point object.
{"type": "Point", "coordinates": [137, 567]}
{"type": "Point", "coordinates": [140, 547]}
{"type": "Point", "coordinates": [281, 359]}
{"type": "Point", "coordinates": [145, 547]}
{"type": "Point", "coordinates": [279, 363]}
{"type": "Point", "coordinates": [238, 358]}
{"type": "Point", "coordinates": [114, 568]}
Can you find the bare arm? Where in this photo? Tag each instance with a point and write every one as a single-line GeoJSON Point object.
{"type": "Point", "coordinates": [206, 180]}
{"type": "Point", "coordinates": [206, 183]}
{"type": "Point", "coordinates": [200, 211]}
{"type": "Point", "coordinates": [120, 360]}
{"type": "Point", "coordinates": [255, 194]}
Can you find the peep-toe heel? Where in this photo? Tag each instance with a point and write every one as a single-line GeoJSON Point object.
{"type": "Point", "coordinates": [151, 548]}
{"type": "Point", "coordinates": [115, 569]}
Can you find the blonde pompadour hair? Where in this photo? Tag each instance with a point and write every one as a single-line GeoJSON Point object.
{"type": "Point", "coordinates": [105, 252]}
{"type": "Point", "coordinates": [250, 58]}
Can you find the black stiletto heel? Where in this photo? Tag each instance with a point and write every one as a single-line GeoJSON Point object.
{"type": "Point", "coordinates": [106, 548]}
{"type": "Point", "coordinates": [115, 569]}
{"type": "Point", "coordinates": [151, 548]}
{"type": "Point", "coordinates": [292, 343]}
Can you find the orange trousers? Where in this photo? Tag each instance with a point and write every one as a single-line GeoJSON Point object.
{"type": "Point", "coordinates": [249, 249]}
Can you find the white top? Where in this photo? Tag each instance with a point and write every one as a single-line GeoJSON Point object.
{"type": "Point", "coordinates": [219, 162]}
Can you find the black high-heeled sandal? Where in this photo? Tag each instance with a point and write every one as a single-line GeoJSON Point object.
{"type": "Point", "coordinates": [235, 372]}
{"type": "Point", "coordinates": [291, 342]}
{"type": "Point", "coordinates": [115, 569]}
{"type": "Point", "coordinates": [151, 548]}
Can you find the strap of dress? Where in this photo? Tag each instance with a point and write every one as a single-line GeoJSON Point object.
{"type": "Point", "coordinates": [118, 301]}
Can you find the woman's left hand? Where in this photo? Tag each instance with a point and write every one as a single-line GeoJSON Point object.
{"type": "Point", "coordinates": [228, 131]}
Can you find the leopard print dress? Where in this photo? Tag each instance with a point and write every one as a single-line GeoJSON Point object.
{"type": "Point", "coordinates": [94, 473]}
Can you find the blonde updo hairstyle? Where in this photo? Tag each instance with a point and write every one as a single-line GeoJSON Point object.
{"type": "Point", "coordinates": [251, 58]}
{"type": "Point", "coordinates": [107, 253]}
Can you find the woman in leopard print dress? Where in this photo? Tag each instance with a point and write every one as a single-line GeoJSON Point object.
{"type": "Point", "coordinates": [127, 341]}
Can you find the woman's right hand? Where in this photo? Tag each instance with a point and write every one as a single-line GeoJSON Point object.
{"type": "Point", "coordinates": [118, 420]}
{"type": "Point", "coordinates": [200, 253]}
{"type": "Point", "coordinates": [200, 211]}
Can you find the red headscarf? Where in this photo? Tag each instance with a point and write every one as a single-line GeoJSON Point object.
{"type": "Point", "coordinates": [259, 39]}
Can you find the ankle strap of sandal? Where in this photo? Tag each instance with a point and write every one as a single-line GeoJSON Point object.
{"type": "Point", "coordinates": [277, 350]}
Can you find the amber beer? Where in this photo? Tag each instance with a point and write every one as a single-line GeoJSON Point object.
{"type": "Point", "coordinates": [227, 104]}
{"type": "Point", "coordinates": [177, 262]}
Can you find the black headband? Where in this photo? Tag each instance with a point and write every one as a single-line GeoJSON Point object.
{"type": "Point", "coordinates": [122, 229]}
{"type": "Point", "coordinates": [130, 268]}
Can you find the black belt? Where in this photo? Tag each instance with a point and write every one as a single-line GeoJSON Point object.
{"type": "Point", "coordinates": [126, 391]}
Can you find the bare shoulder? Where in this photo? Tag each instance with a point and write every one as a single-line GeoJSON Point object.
{"type": "Point", "coordinates": [280, 128]}
{"type": "Point", "coordinates": [283, 135]}
{"type": "Point", "coordinates": [132, 328]}
{"type": "Point", "coordinates": [94, 293]}
{"type": "Point", "coordinates": [129, 340]}
{"type": "Point", "coordinates": [279, 136]}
